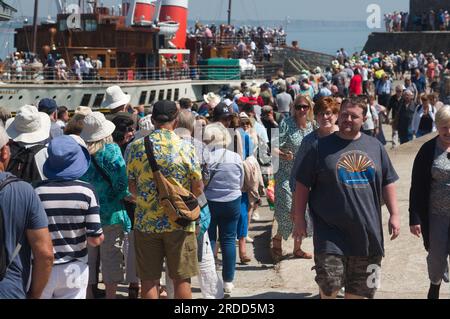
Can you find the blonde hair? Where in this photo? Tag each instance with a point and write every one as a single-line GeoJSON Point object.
{"type": "Point", "coordinates": [94, 147]}
{"type": "Point", "coordinates": [310, 114]}
{"type": "Point", "coordinates": [186, 120]}
{"type": "Point", "coordinates": [443, 116]}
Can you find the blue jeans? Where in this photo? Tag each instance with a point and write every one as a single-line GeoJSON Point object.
{"type": "Point", "coordinates": [405, 137]}
{"type": "Point", "coordinates": [421, 133]}
{"type": "Point", "coordinates": [285, 115]}
{"type": "Point", "coordinates": [225, 216]}
{"type": "Point", "coordinates": [242, 227]}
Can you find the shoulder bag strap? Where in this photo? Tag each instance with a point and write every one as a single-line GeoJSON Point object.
{"type": "Point", "coordinates": [150, 154]}
{"type": "Point", "coordinates": [3, 184]}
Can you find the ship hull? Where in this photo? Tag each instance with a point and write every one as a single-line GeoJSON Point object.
{"type": "Point", "coordinates": [13, 96]}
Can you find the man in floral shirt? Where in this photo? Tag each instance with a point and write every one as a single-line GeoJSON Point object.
{"type": "Point", "coordinates": [157, 237]}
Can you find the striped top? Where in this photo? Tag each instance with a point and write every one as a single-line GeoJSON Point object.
{"type": "Point", "coordinates": [73, 215]}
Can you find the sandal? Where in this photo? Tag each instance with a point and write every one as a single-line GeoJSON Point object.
{"type": "Point", "coordinates": [245, 259]}
{"type": "Point", "coordinates": [299, 253]}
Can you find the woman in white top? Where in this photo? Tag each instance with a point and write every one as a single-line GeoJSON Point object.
{"type": "Point", "coordinates": [370, 125]}
{"type": "Point", "coordinates": [424, 118]}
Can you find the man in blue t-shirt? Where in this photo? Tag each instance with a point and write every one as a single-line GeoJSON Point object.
{"type": "Point", "coordinates": [25, 223]}
{"type": "Point", "coordinates": [344, 177]}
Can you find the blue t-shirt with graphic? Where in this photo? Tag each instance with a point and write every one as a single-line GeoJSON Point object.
{"type": "Point", "coordinates": [22, 210]}
{"type": "Point", "coordinates": [346, 178]}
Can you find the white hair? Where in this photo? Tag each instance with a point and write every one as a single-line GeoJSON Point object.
{"type": "Point", "coordinates": [217, 135]}
{"type": "Point", "coordinates": [443, 116]}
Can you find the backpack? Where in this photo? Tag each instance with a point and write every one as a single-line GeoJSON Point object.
{"type": "Point", "coordinates": [4, 261]}
{"type": "Point", "coordinates": [180, 205]}
{"type": "Point", "coordinates": [22, 163]}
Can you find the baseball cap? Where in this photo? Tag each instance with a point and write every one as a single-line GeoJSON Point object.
{"type": "Point", "coordinates": [48, 106]}
{"type": "Point", "coordinates": [244, 100]}
{"type": "Point", "coordinates": [220, 111]}
{"type": "Point", "coordinates": [164, 111]}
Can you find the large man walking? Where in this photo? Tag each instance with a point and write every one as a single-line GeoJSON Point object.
{"type": "Point", "coordinates": [345, 177]}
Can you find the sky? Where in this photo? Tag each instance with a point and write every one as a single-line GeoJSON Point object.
{"type": "Point", "coordinates": [335, 10]}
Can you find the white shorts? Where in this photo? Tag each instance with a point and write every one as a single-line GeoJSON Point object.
{"type": "Point", "coordinates": [67, 281]}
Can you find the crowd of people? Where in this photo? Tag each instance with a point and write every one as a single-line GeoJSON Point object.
{"type": "Point", "coordinates": [396, 21]}
{"type": "Point", "coordinates": [248, 41]}
{"type": "Point", "coordinates": [433, 20]}
{"type": "Point", "coordinates": [22, 66]}
{"type": "Point", "coordinates": [90, 192]}
{"type": "Point", "coordinates": [246, 33]}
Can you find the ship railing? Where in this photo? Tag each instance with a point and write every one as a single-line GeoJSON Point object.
{"type": "Point", "coordinates": [276, 40]}
{"type": "Point", "coordinates": [120, 75]}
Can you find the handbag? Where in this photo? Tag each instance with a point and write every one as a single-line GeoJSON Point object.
{"type": "Point", "coordinates": [180, 205]}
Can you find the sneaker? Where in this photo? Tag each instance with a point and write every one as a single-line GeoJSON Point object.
{"type": "Point", "coordinates": [255, 217]}
{"type": "Point", "coordinates": [228, 287]}
{"type": "Point", "coordinates": [341, 292]}
{"type": "Point", "coordinates": [248, 240]}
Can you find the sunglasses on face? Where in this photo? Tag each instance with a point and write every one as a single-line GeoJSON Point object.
{"type": "Point", "coordinates": [302, 107]}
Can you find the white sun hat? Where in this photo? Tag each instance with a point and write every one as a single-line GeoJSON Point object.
{"type": "Point", "coordinates": [96, 127]}
{"type": "Point", "coordinates": [29, 125]}
{"type": "Point", "coordinates": [244, 115]}
{"type": "Point", "coordinates": [115, 97]}
{"type": "Point", "coordinates": [83, 110]}
{"type": "Point", "coordinates": [212, 99]}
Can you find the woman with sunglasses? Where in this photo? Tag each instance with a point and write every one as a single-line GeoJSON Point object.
{"type": "Point", "coordinates": [292, 131]}
{"type": "Point", "coordinates": [326, 111]}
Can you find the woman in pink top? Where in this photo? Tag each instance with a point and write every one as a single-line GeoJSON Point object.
{"type": "Point", "coordinates": [356, 83]}
{"type": "Point", "coordinates": [431, 69]}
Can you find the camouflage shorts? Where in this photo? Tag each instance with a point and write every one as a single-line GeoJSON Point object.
{"type": "Point", "coordinates": [356, 274]}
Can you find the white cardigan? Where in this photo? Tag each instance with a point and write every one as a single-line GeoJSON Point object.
{"type": "Point", "coordinates": [418, 116]}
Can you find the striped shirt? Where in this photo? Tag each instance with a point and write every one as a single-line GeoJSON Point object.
{"type": "Point", "coordinates": [73, 215]}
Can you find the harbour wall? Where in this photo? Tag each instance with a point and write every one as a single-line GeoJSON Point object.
{"type": "Point", "coordinates": [427, 41]}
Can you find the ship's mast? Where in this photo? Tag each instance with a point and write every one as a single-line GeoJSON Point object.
{"type": "Point", "coordinates": [35, 17]}
{"type": "Point", "coordinates": [60, 6]}
{"type": "Point", "coordinates": [229, 12]}
{"type": "Point", "coordinates": [157, 11]}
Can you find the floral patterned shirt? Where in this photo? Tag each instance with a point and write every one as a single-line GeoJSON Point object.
{"type": "Point", "coordinates": [110, 193]}
{"type": "Point", "coordinates": [177, 159]}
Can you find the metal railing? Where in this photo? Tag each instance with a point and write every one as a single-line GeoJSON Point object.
{"type": "Point", "coordinates": [276, 41]}
{"type": "Point", "coordinates": [196, 72]}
